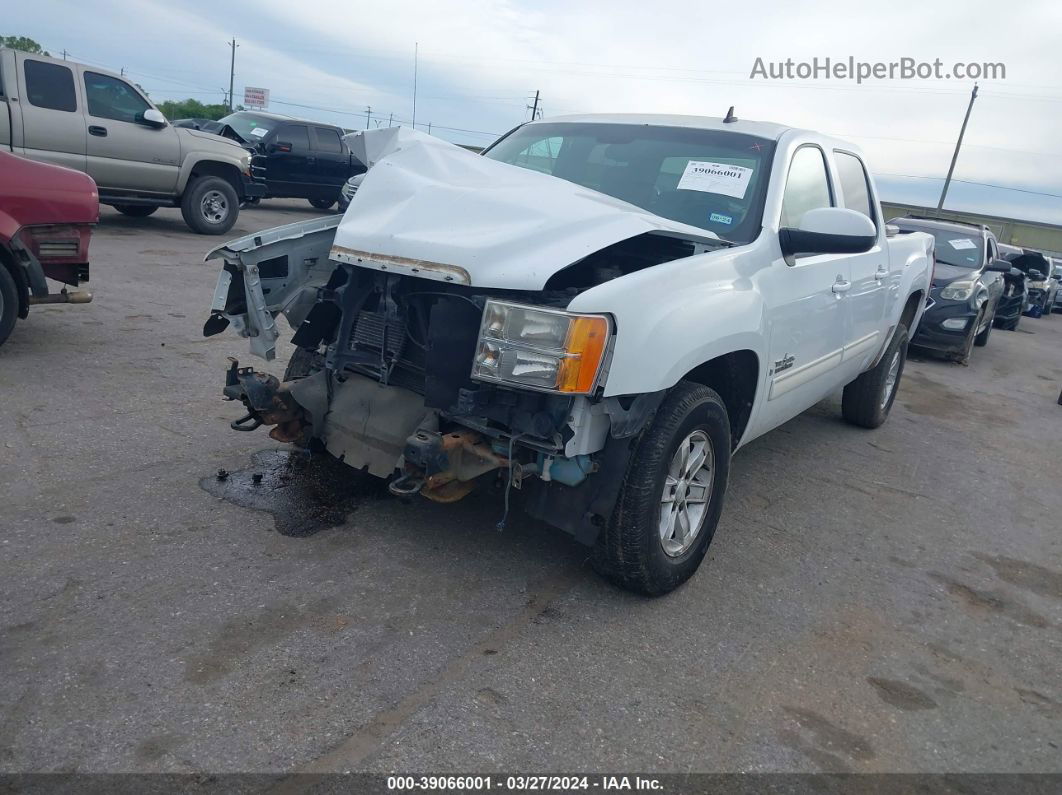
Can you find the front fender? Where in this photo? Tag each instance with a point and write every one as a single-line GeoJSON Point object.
{"type": "Point", "coordinates": [215, 159]}
{"type": "Point", "coordinates": [674, 317]}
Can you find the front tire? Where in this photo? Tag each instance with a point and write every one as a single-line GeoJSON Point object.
{"type": "Point", "coordinates": [322, 204]}
{"type": "Point", "coordinates": [135, 210]}
{"type": "Point", "coordinates": [867, 400]}
{"type": "Point", "coordinates": [210, 206]}
{"type": "Point", "coordinates": [8, 303]}
{"type": "Point", "coordinates": [672, 495]}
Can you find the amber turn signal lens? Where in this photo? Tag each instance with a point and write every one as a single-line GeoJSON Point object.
{"type": "Point", "coordinates": [585, 346]}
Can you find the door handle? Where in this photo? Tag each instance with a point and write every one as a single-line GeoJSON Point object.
{"type": "Point", "coordinates": [97, 130]}
{"type": "Point", "coordinates": [842, 286]}
{"type": "Point", "coordinates": [880, 274]}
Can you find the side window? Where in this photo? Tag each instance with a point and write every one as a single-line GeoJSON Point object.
{"type": "Point", "coordinates": [855, 188]}
{"type": "Point", "coordinates": [296, 135]}
{"type": "Point", "coordinates": [110, 98]}
{"type": "Point", "coordinates": [541, 155]}
{"type": "Point", "coordinates": [49, 85]}
{"type": "Point", "coordinates": [807, 188]}
{"type": "Point", "coordinates": [327, 140]}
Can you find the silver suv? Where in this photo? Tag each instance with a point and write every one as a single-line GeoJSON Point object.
{"type": "Point", "coordinates": [98, 122]}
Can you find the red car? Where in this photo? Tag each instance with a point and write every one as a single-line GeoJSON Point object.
{"type": "Point", "coordinates": [46, 217]}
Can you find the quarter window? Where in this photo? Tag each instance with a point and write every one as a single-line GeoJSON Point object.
{"type": "Point", "coordinates": [110, 98]}
{"type": "Point", "coordinates": [855, 189]}
{"type": "Point", "coordinates": [49, 85]}
{"type": "Point", "coordinates": [807, 188]}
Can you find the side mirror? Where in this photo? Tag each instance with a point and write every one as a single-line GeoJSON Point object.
{"type": "Point", "coordinates": [1035, 275]}
{"type": "Point", "coordinates": [829, 230]}
{"type": "Point", "coordinates": [280, 146]}
{"type": "Point", "coordinates": [1016, 272]}
{"type": "Point", "coordinates": [999, 266]}
{"type": "Point", "coordinates": [153, 118]}
{"type": "Point", "coordinates": [1056, 276]}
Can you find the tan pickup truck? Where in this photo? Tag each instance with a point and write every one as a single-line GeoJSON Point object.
{"type": "Point", "coordinates": [98, 122]}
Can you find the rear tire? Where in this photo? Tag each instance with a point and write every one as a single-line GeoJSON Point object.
{"type": "Point", "coordinates": [867, 400]}
{"type": "Point", "coordinates": [672, 495]}
{"type": "Point", "coordinates": [8, 303]}
{"type": "Point", "coordinates": [135, 210]}
{"type": "Point", "coordinates": [210, 206]}
{"type": "Point", "coordinates": [322, 204]}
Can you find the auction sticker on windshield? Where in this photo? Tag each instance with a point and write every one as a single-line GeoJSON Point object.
{"type": "Point", "coordinates": [721, 178]}
{"type": "Point", "coordinates": [261, 132]}
{"type": "Point", "coordinates": [962, 242]}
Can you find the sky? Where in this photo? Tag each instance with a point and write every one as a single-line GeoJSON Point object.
{"type": "Point", "coordinates": [478, 65]}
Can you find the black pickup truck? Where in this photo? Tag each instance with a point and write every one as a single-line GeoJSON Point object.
{"type": "Point", "coordinates": [295, 158]}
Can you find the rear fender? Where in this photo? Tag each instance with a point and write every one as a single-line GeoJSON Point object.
{"type": "Point", "coordinates": [269, 273]}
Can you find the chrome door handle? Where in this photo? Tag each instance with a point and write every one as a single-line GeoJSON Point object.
{"type": "Point", "coordinates": [842, 286]}
{"type": "Point", "coordinates": [880, 274]}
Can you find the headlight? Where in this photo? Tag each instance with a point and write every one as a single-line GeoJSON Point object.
{"type": "Point", "coordinates": [1038, 285]}
{"type": "Point", "coordinates": [545, 349]}
{"type": "Point", "coordinates": [957, 291]}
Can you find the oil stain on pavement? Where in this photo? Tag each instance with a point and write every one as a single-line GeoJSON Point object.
{"type": "Point", "coordinates": [305, 493]}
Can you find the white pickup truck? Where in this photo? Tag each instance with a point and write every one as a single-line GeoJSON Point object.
{"type": "Point", "coordinates": [598, 312]}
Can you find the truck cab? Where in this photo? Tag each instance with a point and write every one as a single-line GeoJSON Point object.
{"type": "Point", "coordinates": [295, 158]}
{"type": "Point", "coordinates": [92, 120]}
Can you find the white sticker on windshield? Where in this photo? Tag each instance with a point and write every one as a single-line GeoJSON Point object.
{"type": "Point", "coordinates": [261, 132]}
{"type": "Point", "coordinates": [726, 180]}
{"type": "Point", "coordinates": [962, 242]}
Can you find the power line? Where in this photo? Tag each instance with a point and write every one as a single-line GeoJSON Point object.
{"type": "Point", "coordinates": [972, 182]}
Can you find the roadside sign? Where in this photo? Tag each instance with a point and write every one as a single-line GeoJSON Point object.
{"type": "Point", "coordinates": [255, 97]}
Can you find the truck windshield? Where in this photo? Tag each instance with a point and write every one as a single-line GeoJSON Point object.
{"type": "Point", "coordinates": [250, 128]}
{"type": "Point", "coordinates": [712, 179]}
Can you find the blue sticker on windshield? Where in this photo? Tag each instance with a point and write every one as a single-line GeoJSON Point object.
{"type": "Point", "coordinates": [719, 218]}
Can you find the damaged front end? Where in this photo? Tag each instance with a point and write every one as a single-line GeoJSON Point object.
{"type": "Point", "coordinates": [443, 375]}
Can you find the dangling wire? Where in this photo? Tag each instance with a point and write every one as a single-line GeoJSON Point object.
{"type": "Point", "coordinates": [509, 483]}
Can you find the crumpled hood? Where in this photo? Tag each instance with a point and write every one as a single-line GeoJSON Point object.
{"type": "Point", "coordinates": [434, 210]}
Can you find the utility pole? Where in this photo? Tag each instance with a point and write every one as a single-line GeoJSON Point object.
{"type": "Point", "coordinates": [534, 108]}
{"type": "Point", "coordinates": [368, 115]}
{"type": "Point", "coordinates": [390, 119]}
{"type": "Point", "coordinates": [64, 55]}
{"type": "Point", "coordinates": [416, 48]}
{"type": "Point", "coordinates": [958, 145]}
{"type": "Point", "coordinates": [232, 71]}
{"type": "Point", "coordinates": [429, 128]}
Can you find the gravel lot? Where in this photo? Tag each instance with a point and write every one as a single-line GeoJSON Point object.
{"type": "Point", "coordinates": [873, 601]}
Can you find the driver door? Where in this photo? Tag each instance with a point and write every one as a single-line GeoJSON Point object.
{"type": "Point", "coordinates": [123, 153]}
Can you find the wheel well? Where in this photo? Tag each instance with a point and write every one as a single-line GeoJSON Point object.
{"type": "Point", "coordinates": [734, 376]}
{"type": "Point", "coordinates": [910, 309]}
{"type": "Point", "coordinates": [212, 168]}
{"type": "Point", "coordinates": [7, 260]}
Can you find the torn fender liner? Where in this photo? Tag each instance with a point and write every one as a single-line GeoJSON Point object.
{"type": "Point", "coordinates": [368, 423]}
{"type": "Point", "coordinates": [432, 209]}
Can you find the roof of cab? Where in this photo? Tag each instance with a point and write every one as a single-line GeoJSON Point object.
{"type": "Point", "coordinates": [761, 129]}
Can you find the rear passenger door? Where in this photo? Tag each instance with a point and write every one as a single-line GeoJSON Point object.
{"type": "Point", "coordinates": [52, 125]}
{"type": "Point", "coordinates": [123, 153]}
{"type": "Point", "coordinates": [332, 165]}
{"type": "Point", "coordinates": [874, 288]}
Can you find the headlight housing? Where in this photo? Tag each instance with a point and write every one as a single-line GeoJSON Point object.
{"type": "Point", "coordinates": [1038, 285]}
{"type": "Point", "coordinates": [543, 349]}
{"type": "Point", "coordinates": [957, 291]}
